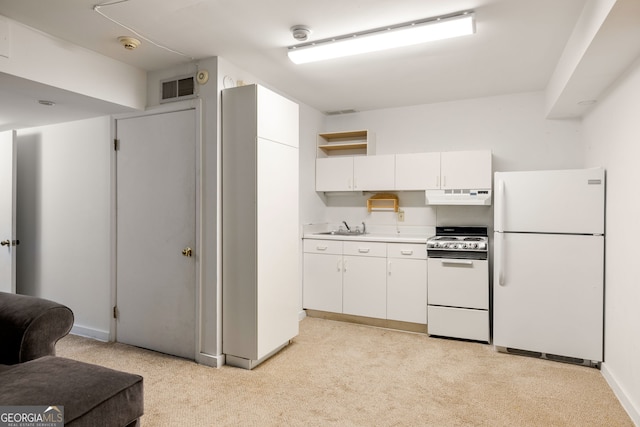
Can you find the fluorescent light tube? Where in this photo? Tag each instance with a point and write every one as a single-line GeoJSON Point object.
{"type": "Point", "coordinates": [407, 34]}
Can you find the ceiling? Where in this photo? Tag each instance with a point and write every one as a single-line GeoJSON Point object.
{"type": "Point", "coordinates": [515, 49]}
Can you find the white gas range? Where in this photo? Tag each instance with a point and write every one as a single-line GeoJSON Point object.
{"type": "Point", "coordinates": [458, 283]}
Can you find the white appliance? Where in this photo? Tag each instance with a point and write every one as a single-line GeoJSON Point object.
{"type": "Point", "coordinates": [481, 197]}
{"type": "Point", "coordinates": [548, 287]}
{"type": "Point", "coordinates": [458, 283]}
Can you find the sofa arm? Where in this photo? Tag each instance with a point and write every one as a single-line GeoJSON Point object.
{"type": "Point", "coordinates": [30, 327]}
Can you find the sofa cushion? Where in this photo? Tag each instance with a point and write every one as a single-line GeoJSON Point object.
{"type": "Point", "coordinates": [30, 327]}
{"type": "Point", "coordinates": [92, 395]}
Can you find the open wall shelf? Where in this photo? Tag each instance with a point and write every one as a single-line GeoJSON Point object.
{"type": "Point", "coordinates": [349, 143]}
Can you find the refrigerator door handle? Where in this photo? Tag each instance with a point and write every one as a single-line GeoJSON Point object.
{"type": "Point", "coordinates": [499, 245]}
{"type": "Point", "coordinates": [499, 207]}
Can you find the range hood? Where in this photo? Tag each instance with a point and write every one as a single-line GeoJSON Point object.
{"type": "Point", "coordinates": [477, 197]}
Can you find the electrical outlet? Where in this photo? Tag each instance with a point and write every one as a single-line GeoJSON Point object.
{"type": "Point", "coordinates": [400, 216]}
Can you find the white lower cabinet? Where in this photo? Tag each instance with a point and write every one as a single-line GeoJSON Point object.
{"type": "Point", "coordinates": [371, 279]}
{"type": "Point", "coordinates": [364, 285]}
{"type": "Point", "coordinates": [322, 277]}
{"type": "Point", "coordinates": [407, 282]}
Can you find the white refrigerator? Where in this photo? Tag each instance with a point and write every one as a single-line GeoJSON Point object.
{"type": "Point", "coordinates": [548, 287]}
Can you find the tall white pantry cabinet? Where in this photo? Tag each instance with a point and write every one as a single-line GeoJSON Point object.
{"type": "Point", "coordinates": [260, 238]}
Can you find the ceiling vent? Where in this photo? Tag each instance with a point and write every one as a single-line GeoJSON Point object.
{"type": "Point", "coordinates": [339, 112]}
{"type": "Point", "coordinates": [178, 88]}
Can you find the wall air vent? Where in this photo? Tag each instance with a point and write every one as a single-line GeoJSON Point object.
{"type": "Point", "coordinates": [177, 88]}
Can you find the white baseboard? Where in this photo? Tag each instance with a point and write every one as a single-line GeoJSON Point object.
{"type": "Point", "coordinates": [96, 334]}
{"type": "Point", "coordinates": [625, 401]}
{"type": "Point", "coordinates": [301, 315]}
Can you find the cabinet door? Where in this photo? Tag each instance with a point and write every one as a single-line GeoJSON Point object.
{"type": "Point", "coordinates": [322, 282]}
{"type": "Point", "coordinates": [418, 171]}
{"type": "Point", "coordinates": [407, 290]}
{"type": "Point", "coordinates": [374, 173]}
{"type": "Point", "coordinates": [465, 169]}
{"type": "Point", "coordinates": [278, 118]}
{"type": "Point", "coordinates": [364, 290]}
{"type": "Point", "coordinates": [334, 174]}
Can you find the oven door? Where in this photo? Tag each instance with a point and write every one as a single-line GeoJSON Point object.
{"type": "Point", "coordinates": [455, 282]}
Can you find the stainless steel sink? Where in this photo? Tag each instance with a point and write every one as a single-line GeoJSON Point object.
{"type": "Point", "coordinates": [341, 233]}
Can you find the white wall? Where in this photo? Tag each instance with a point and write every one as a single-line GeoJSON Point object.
{"type": "Point", "coordinates": [312, 204]}
{"type": "Point", "coordinates": [611, 134]}
{"type": "Point", "coordinates": [71, 67]}
{"type": "Point", "coordinates": [64, 219]}
{"type": "Point", "coordinates": [511, 126]}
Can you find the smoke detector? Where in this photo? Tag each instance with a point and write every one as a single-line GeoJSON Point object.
{"type": "Point", "coordinates": [300, 32]}
{"type": "Point", "coordinates": [129, 43]}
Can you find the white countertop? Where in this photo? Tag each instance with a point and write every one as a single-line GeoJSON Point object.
{"type": "Point", "coordinates": [372, 237]}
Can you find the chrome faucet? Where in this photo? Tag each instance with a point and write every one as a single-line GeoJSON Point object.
{"type": "Point", "coordinates": [346, 225]}
{"type": "Point", "coordinates": [364, 228]}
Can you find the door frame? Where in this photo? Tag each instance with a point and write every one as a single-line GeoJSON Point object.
{"type": "Point", "coordinates": [12, 248]}
{"type": "Point", "coordinates": [194, 104]}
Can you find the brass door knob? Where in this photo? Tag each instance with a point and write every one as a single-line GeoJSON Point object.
{"type": "Point", "coordinates": [187, 252]}
{"type": "Point", "coordinates": [5, 243]}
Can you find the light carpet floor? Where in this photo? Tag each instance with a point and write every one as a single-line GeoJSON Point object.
{"type": "Point", "coordinates": [343, 374]}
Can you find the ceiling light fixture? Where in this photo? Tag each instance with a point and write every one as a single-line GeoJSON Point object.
{"type": "Point", "coordinates": [407, 34]}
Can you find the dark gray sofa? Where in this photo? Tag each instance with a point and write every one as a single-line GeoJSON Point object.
{"type": "Point", "coordinates": [31, 374]}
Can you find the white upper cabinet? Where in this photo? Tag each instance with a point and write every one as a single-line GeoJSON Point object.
{"type": "Point", "coordinates": [346, 161]}
{"type": "Point", "coordinates": [374, 173]}
{"type": "Point", "coordinates": [274, 119]}
{"type": "Point", "coordinates": [334, 174]}
{"type": "Point", "coordinates": [417, 171]}
{"type": "Point", "coordinates": [465, 169]}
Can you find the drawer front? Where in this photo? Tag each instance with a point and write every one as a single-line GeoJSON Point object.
{"type": "Point", "coordinates": [407, 250]}
{"type": "Point", "coordinates": [458, 282]}
{"type": "Point", "coordinates": [458, 323]}
{"type": "Point", "coordinates": [322, 246]}
{"type": "Point", "coordinates": [375, 249]}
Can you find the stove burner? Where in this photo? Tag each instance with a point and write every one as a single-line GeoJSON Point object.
{"type": "Point", "coordinates": [458, 242]}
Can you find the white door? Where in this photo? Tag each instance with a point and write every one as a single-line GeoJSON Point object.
{"type": "Point", "coordinates": [548, 293]}
{"type": "Point", "coordinates": [365, 286]}
{"type": "Point", "coordinates": [418, 171]}
{"type": "Point", "coordinates": [458, 282]}
{"type": "Point", "coordinates": [374, 173]}
{"type": "Point", "coordinates": [322, 282]}
{"type": "Point", "coordinates": [334, 174]}
{"type": "Point", "coordinates": [278, 250]}
{"type": "Point", "coordinates": [156, 205]}
{"type": "Point", "coordinates": [8, 211]}
{"type": "Point", "coordinates": [561, 201]}
{"type": "Point", "coordinates": [407, 290]}
{"type": "Point", "coordinates": [465, 169]}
